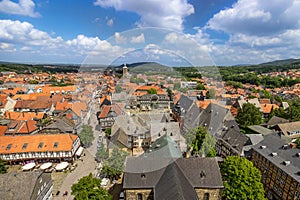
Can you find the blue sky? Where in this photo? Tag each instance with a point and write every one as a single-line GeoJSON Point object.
{"type": "Point", "coordinates": [197, 32]}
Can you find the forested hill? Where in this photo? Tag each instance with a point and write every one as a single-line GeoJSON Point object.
{"type": "Point", "coordinates": [31, 68]}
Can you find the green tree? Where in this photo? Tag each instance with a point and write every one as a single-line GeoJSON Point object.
{"type": "Point", "coordinates": [107, 132]}
{"type": "Point", "coordinates": [114, 165]}
{"type": "Point", "coordinates": [211, 94]}
{"type": "Point", "coordinates": [86, 135]}
{"type": "Point", "coordinates": [234, 84]}
{"type": "Point", "coordinates": [152, 91]}
{"type": "Point", "coordinates": [176, 85]}
{"type": "Point", "coordinates": [89, 188]}
{"type": "Point", "coordinates": [118, 89]}
{"type": "Point", "coordinates": [241, 179]}
{"type": "Point", "coordinates": [293, 111]}
{"type": "Point", "coordinates": [201, 141]}
{"type": "Point", "coordinates": [200, 86]}
{"type": "Point", "coordinates": [249, 115]}
{"type": "Point", "coordinates": [101, 154]}
{"type": "Point", "coordinates": [3, 167]}
{"type": "Point", "coordinates": [297, 141]}
{"type": "Point", "coordinates": [208, 146]}
{"type": "Point", "coordinates": [33, 82]}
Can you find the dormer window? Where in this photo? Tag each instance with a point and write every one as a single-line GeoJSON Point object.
{"type": "Point", "coordinates": [202, 174]}
{"type": "Point", "coordinates": [286, 162]}
{"type": "Point", "coordinates": [40, 145]}
{"type": "Point", "coordinates": [274, 154]}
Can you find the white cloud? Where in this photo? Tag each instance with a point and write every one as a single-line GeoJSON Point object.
{"type": "Point", "coordinates": [119, 38]}
{"type": "Point", "coordinates": [154, 13]}
{"type": "Point", "coordinates": [138, 39]}
{"type": "Point", "coordinates": [23, 7]}
{"type": "Point", "coordinates": [24, 32]}
{"type": "Point", "coordinates": [6, 47]}
{"type": "Point", "coordinates": [26, 42]}
{"type": "Point", "coordinates": [256, 17]}
{"type": "Point", "coordinates": [110, 22]}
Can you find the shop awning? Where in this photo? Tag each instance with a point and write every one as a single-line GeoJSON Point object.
{"type": "Point", "coordinates": [61, 166]}
{"type": "Point", "coordinates": [79, 151]}
{"type": "Point", "coordinates": [46, 165]}
{"type": "Point", "coordinates": [28, 166]}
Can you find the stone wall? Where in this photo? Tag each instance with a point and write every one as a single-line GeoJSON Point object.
{"type": "Point", "coordinates": [132, 194]}
{"type": "Point", "coordinates": [213, 194]}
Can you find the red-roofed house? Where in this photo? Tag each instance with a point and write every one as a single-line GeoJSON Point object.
{"type": "Point", "coordinates": [21, 127]}
{"type": "Point", "coordinates": [107, 115]}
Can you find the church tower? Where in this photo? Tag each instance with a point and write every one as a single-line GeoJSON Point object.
{"type": "Point", "coordinates": [125, 70]}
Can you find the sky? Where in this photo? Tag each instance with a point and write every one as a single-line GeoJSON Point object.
{"type": "Point", "coordinates": [171, 32]}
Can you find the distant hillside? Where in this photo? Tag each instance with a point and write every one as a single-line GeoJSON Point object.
{"type": "Point", "coordinates": [282, 62]}
{"type": "Point", "coordinates": [149, 68]}
{"type": "Point", "coordinates": [22, 68]}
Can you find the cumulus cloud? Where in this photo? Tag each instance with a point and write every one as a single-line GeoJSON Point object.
{"type": "Point", "coordinates": [24, 32]}
{"type": "Point", "coordinates": [154, 13]}
{"type": "Point", "coordinates": [120, 39]}
{"type": "Point", "coordinates": [138, 39]}
{"type": "Point", "coordinates": [255, 17]}
{"type": "Point", "coordinates": [110, 22]}
{"type": "Point", "coordinates": [23, 7]}
{"type": "Point", "coordinates": [6, 47]}
{"type": "Point", "coordinates": [22, 38]}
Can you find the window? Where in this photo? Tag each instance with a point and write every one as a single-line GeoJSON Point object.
{"type": "Point", "coordinates": [25, 145]}
{"type": "Point", "coordinates": [8, 146]}
{"type": "Point", "coordinates": [40, 145]}
{"type": "Point", "coordinates": [139, 196]}
{"type": "Point", "coordinates": [206, 196]}
{"type": "Point", "coordinates": [55, 145]}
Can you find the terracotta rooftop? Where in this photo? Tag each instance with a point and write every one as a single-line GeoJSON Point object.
{"type": "Point", "coordinates": [36, 143]}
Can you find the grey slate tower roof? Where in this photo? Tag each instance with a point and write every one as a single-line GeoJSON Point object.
{"type": "Point", "coordinates": [172, 179]}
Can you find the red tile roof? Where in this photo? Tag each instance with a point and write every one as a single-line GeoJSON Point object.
{"type": "Point", "coordinates": [64, 141]}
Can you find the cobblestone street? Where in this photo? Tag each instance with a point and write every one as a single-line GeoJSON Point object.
{"type": "Point", "coordinates": [86, 166]}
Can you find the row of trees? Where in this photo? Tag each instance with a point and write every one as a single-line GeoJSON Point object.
{"type": "Point", "coordinates": [251, 115]}
{"type": "Point", "coordinates": [255, 79]}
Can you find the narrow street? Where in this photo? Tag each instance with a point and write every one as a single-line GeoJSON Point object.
{"type": "Point", "coordinates": [84, 168]}
{"type": "Point", "coordinates": [88, 164]}
{"type": "Point", "coordinates": [94, 122]}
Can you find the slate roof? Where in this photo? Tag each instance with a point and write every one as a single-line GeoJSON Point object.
{"type": "Point", "coordinates": [172, 179]}
{"type": "Point", "coordinates": [260, 129]}
{"type": "Point", "coordinates": [174, 185]}
{"type": "Point", "coordinates": [274, 144]}
{"type": "Point", "coordinates": [192, 115]}
{"type": "Point", "coordinates": [18, 185]}
{"type": "Point", "coordinates": [214, 117]}
{"type": "Point", "coordinates": [169, 128]}
{"type": "Point", "coordinates": [291, 127]}
{"type": "Point", "coordinates": [232, 135]}
{"type": "Point", "coordinates": [163, 147]}
{"type": "Point", "coordinates": [276, 120]}
{"type": "Point", "coordinates": [185, 102]}
{"type": "Point", "coordinates": [65, 125]}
